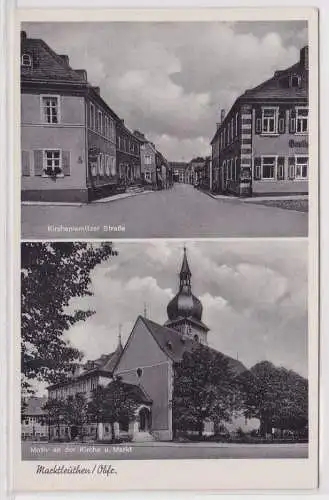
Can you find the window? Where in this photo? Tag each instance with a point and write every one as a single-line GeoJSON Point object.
{"type": "Point", "coordinates": [232, 129]}
{"type": "Point", "coordinates": [235, 168]}
{"type": "Point", "coordinates": [92, 116]}
{"type": "Point", "coordinates": [112, 130]}
{"type": "Point", "coordinates": [148, 176]}
{"type": "Point", "coordinates": [106, 126]}
{"type": "Point", "coordinates": [50, 109]}
{"type": "Point", "coordinates": [139, 372]}
{"type": "Point", "coordinates": [236, 123]}
{"type": "Point", "coordinates": [147, 159]}
{"type": "Point", "coordinates": [52, 162]}
{"type": "Point", "coordinates": [113, 166]}
{"type": "Point", "coordinates": [26, 60]}
{"type": "Point", "coordinates": [224, 138]}
{"type": "Point", "coordinates": [301, 120]}
{"type": "Point", "coordinates": [295, 81]}
{"type": "Point", "coordinates": [268, 167]}
{"type": "Point", "coordinates": [269, 120]}
{"type": "Point", "coordinates": [301, 167]}
{"type": "Point", "coordinates": [100, 122]}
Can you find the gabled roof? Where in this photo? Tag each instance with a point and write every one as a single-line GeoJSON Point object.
{"type": "Point", "coordinates": [34, 406]}
{"type": "Point", "coordinates": [174, 346]}
{"type": "Point", "coordinates": [46, 64]}
{"type": "Point", "coordinates": [273, 88]}
{"type": "Point", "coordinates": [103, 365]}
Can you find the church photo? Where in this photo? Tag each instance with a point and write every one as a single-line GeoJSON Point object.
{"type": "Point", "coordinates": [165, 349]}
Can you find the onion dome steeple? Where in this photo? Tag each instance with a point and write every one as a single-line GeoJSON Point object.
{"type": "Point", "coordinates": [185, 304]}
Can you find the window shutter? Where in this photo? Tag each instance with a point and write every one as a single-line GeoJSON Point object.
{"type": "Point", "coordinates": [291, 167]}
{"type": "Point", "coordinates": [257, 167]}
{"type": "Point", "coordinates": [38, 161]}
{"type": "Point", "coordinates": [282, 121]}
{"type": "Point", "coordinates": [26, 163]}
{"type": "Point", "coordinates": [280, 168]}
{"type": "Point", "coordinates": [258, 121]}
{"type": "Point", "coordinates": [66, 162]}
{"type": "Point", "coordinates": [292, 122]}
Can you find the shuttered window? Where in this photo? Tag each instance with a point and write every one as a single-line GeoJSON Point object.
{"type": "Point", "coordinates": [280, 168]}
{"type": "Point", "coordinates": [26, 172]}
{"type": "Point", "coordinates": [257, 167]}
{"type": "Point", "coordinates": [291, 167]}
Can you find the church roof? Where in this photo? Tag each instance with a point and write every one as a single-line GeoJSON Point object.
{"type": "Point", "coordinates": [174, 346]}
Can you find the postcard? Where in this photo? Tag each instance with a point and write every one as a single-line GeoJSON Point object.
{"type": "Point", "coordinates": [165, 327]}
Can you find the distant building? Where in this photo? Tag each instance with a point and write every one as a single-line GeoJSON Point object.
{"type": "Point", "coordinates": [128, 155]}
{"type": "Point", "coordinates": [261, 145]}
{"type": "Point", "coordinates": [34, 425]}
{"type": "Point", "coordinates": [179, 171]}
{"type": "Point", "coordinates": [68, 132]}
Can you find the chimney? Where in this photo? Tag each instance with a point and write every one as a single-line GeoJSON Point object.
{"type": "Point", "coordinates": [304, 57]}
{"type": "Point", "coordinates": [222, 115]}
{"type": "Point", "coordinates": [97, 90]}
{"type": "Point", "coordinates": [23, 36]}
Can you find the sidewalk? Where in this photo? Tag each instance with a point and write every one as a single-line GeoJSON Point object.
{"type": "Point", "coordinates": [108, 199]}
{"type": "Point", "coordinates": [254, 199]}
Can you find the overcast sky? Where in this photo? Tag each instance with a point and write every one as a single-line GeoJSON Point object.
{"type": "Point", "coordinates": [170, 79]}
{"type": "Point", "coordinates": [254, 296]}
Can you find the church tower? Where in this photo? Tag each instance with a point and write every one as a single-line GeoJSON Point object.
{"type": "Point", "coordinates": [185, 310]}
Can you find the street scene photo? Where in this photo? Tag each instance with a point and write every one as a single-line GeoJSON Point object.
{"type": "Point", "coordinates": [145, 130]}
{"type": "Point", "coordinates": [164, 350]}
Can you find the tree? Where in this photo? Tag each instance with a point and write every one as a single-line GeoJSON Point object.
{"type": "Point", "coordinates": [114, 403]}
{"type": "Point", "coordinates": [52, 275]}
{"type": "Point", "coordinates": [75, 410]}
{"type": "Point", "coordinates": [204, 388]}
{"type": "Point", "coordinates": [55, 409]}
{"type": "Point", "coordinates": [276, 396]}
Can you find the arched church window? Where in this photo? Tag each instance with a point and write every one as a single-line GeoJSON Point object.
{"type": "Point", "coordinates": [139, 372]}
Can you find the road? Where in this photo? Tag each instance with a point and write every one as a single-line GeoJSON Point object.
{"type": "Point", "coordinates": [159, 451]}
{"type": "Point", "coordinates": [180, 212]}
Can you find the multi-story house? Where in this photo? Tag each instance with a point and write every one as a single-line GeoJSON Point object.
{"type": "Point", "coordinates": [261, 145]}
{"type": "Point", "coordinates": [148, 160]}
{"type": "Point", "coordinates": [179, 171]}
{"type": "Point", "coordinates": [68, 132]}
{"type": "Point", "coordinates": [84, 380]}
{"type": "Point", "coordinates": [34, 425]}
{"type": "Point", "coordinates": [128, 155]}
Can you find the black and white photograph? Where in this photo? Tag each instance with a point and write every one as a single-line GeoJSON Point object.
{"type": "Point", "coordinates": [165, 129]}
{"type": "Point", "coordinates": [164, 350]}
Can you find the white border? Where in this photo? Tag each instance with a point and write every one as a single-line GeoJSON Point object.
{"type": "Point", "coordinates": [274, 482]}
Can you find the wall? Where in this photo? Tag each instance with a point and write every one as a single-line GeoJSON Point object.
{"type": "Point", "coordinates": [284, 144]}
{"type": "Point", "coordinates": [142, 351]}
{"type": "Point", "coordinates": [68, 135]}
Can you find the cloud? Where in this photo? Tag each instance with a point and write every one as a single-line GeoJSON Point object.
{"type": "Point", "coordinates": [169, 79]}
{"type": "Point", "coordinates": [254, 296]}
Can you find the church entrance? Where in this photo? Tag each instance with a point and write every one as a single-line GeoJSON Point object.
{"type": "Point", "coordinates": [144, 420]}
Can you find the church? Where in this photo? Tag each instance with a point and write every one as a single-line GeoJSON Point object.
{"type": "Point", "coordinates": [146, 365]}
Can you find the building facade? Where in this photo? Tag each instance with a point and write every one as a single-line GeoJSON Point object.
{"type": "Point", "coordinates": [34, 425]}
{"type": "Point", "coordinates": [261, 145]}
{"type": "Point", "coordinates": [179, 171]}
{"type": "Point", "coordinates": [128, 155]}
{"type": "Point", "coordinates": [68, 132]}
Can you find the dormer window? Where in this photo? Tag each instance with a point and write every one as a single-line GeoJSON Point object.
{"type": "Point", "coordinates": [295, 81]}
{"type": "Point", "coordinates": [169, 345]}
{"type": "Point", "coordinates": [26, 60]}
